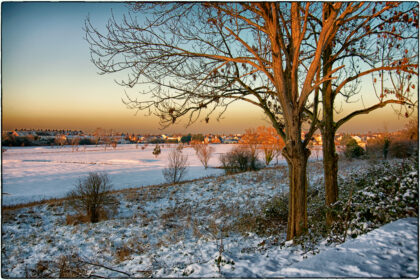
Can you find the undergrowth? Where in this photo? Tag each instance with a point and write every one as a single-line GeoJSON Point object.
{"type": "Point", "coordinates": [383, 193]}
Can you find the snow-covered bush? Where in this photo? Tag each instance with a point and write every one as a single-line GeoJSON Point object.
{"type": "Point", "coordinates": [91, 197]}
{"type": "Point", "coordinates": [270, 219]}
{"type": "Point", "coordinates": [277, 208]}
{"type": "Point", "coordinates": [177, 166]}
{"type": "Point", "coordinates": [382, 195]}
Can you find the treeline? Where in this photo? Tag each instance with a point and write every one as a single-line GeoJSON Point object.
{"type": "Point", "coordinates": [35, 140]}
{"type": "Point", "coordinates": [399, 145]}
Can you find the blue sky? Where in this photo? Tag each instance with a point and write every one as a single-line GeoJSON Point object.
{"type": "Point", "coordinates": [48, 80]}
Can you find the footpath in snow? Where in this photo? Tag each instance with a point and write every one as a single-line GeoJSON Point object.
{"type": "Point", "coordinates": [387, 252]}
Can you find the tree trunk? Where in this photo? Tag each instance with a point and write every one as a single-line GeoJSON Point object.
{"type": "Point", "coordinates": [330, 160]}
{"type": "Point", "coordinates": [297, 158]}
{"type": "Point", "coordinates": [328, 129]}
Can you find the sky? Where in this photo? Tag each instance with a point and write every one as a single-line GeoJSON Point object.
{"type": "Point", "coordinates": [48, 81]}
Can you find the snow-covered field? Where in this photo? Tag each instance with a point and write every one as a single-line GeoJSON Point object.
{"type": "Point", "coordinates": [181, 231]}
{"type": "Point", "coordinates": [35, 173]}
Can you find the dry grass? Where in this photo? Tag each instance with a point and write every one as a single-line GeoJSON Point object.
{"type": "Point", "coordinates": [64, 267]}
{"type": "Point", "coordinates": [132, 196]}
{"type": "Point", "coordinates": [69, 267]}
{"type": "Point", "coordinates": [8, 216]}
{"type": "Point", "coordinates": [123, 253]}
{"type": "Point", "coordinates": [72, 220]}
{"type": "Point", "coordinates": [76, 219]}
{"type": "Point", "coordinates": [160, 243]}
{"type": "Point", "coordinates": [196, 230]}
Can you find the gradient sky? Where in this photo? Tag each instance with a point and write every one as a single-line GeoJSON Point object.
{"type": "Point", "coordinates": [48, 80]}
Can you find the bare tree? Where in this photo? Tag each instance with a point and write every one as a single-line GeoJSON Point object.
{"type": "Point", "coordinates": [60, 139]}
{"type": "Point", "coordinates": [114, 143]}
{"type": "Point", "coordinates": [193, 59]}
{"type": "Point", "coordinates": [251, 141]}
{"type": "Point", "coordinates": [270, 143]}
{"type": "Point", "coordinates": [380, 39]}
{"type": "Point", "coordinates": [177, 166]}
{"type": "Point", "coordinates": [75, 143]}
{"type": "Point", "coordinates": [203, 152]}
{"type": "Point", "coordinates": [91, 195]}
{"type": "Point", "coordinates": [99, 133]}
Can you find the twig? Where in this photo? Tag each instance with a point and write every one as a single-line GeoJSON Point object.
{"type": "Point", "coordinates": [103, 266]}
{"type": "Point", "coordinates": [97, 276]}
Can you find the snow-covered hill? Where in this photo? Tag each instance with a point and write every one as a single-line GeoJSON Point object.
{"type": "Point", "coordinates": [195, 229]}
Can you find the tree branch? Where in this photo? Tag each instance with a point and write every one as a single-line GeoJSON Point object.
{"type": "Point", "coordinates": [368, 110]}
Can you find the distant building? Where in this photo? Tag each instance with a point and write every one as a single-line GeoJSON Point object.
{"type": "Point", "coordinates": [230, 141]}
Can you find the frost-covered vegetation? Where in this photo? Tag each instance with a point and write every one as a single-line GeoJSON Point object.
{"type": "Point", "coordinates": [384, 193]}
{"type": "Point", "coordinates": [230, 226]}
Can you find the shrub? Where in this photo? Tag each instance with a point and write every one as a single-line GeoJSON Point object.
{"type": "Point", "coordinates": [277, 208]}
{"type": "Point", "coordinates": [177, 166]}
{"type": "Point", "coordinates": [353, 150]}
{"type": "Point", "coordinates": [270, 219]}
{"type": "Point", "coordinates": [401, 149]}
{"type": "Point", "coordinates": [156, 150]}
{"type": "Point", "coordinates": [91, 196]}
{"type": "Point", "coordinates": [86, 141]}
{"type": "Point", "coordinates": [378, 148]}
{"type": "Point", "coordinates": [239, 159]}
{"type": "Point", "coordinates": [383, 194]}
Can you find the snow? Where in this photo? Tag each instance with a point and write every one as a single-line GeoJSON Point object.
{"type": "Point", "coordinates": [36, 173]}
{"type": "Point", "coordinates": [177, 231]}
{"type": "Point", "coordinates": [180, 230]}
{"type": "Point", "coordinates": [387, 252]}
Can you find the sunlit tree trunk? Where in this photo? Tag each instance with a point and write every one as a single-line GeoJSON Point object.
{"type": "Point", "coordinates": [297, 157]}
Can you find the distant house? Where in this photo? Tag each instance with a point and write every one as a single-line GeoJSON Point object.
{"type": "Point", "coordinates": [23, 133]}
{"type": "Point", "coordinates": [61, 137]}
{"type": "Point", "coordinates": [171, 138]}
{"type": "Point", "coordinates": [230, 141]}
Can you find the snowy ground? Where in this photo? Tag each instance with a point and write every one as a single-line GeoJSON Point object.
{"type": "Point", "coordinates": [387, 252]}
{"type": "Point", "coordinates": [35, 173]}
{"type": "Point", "coordinates": [181, 230]}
